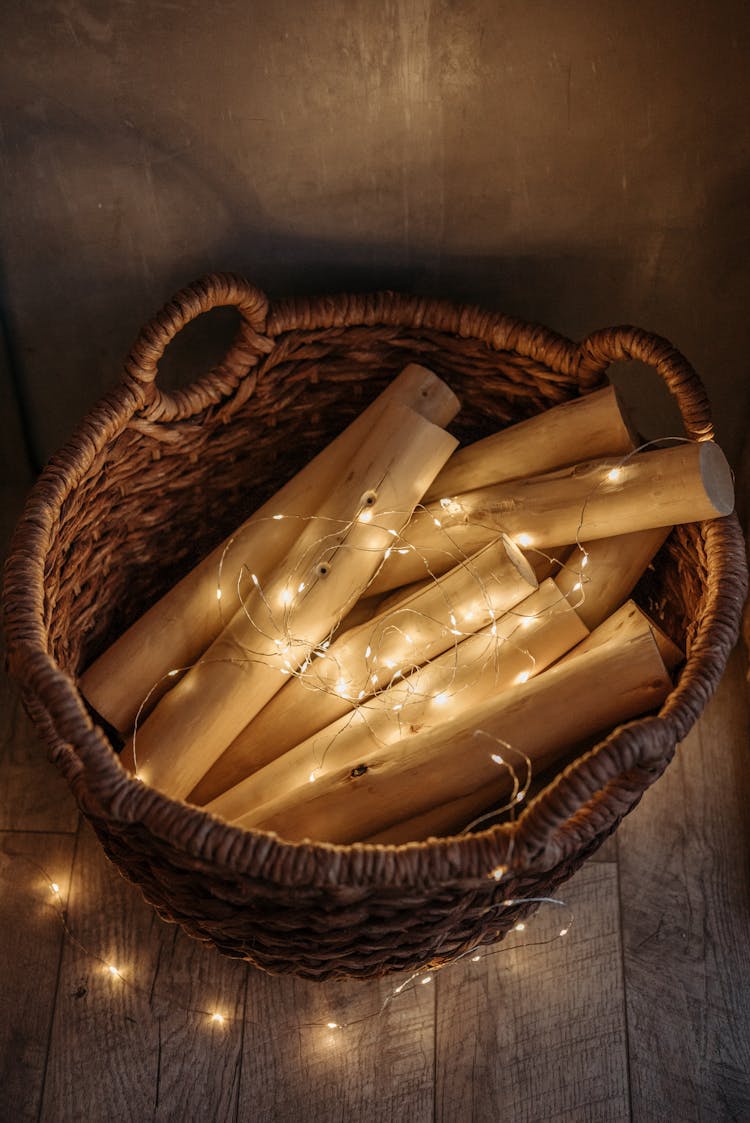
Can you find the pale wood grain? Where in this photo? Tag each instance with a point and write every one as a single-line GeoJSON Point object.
{"type": "Point", "coordinates": [379, 1069]}
{"type": "Point", "coordinates": [685, 881]}
{"type": "Point", "coordinates": [31, 937]}
{"type": "Point", "coordinates": [537, 1032]}
{"type": "Point", "coordinates": [115, 1055]}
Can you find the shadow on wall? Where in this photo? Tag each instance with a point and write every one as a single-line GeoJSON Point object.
{"type": "Point", "coordinates": [128, 218]}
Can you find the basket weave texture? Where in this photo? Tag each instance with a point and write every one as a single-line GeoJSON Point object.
{"type": "Point", "coordinates": [149, 483]}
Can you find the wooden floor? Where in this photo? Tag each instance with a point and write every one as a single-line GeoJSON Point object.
{"type": "Point", "coordinates": [641, 1012]}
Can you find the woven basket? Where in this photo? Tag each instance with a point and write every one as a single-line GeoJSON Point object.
{"type": "Point", "coordinates": [152, 480]}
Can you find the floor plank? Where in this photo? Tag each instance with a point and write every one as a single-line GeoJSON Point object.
{"type": "Point", "coordinates": [378, 1068]}
{"type": "Point", "coordinates": [685, 879]}
{"type": "Point", "coordinates": [149, 1053]}
{"type": "Point", "coordinates": [31, 936]}
{"type": "Point", "coordinates": [33, 795]}
{"type": "Point", "coordinates": [536, 1032]}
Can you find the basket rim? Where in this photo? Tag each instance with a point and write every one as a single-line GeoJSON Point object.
{"type": "Point", "coordinates": [596, 788]}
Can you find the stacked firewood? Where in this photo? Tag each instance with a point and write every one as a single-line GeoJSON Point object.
{"type": "Point", "coordinates": [405, 629]}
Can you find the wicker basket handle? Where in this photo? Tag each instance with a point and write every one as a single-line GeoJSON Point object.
{"type": "Point", "coordinates": [615, 344]}
{"type": "Point", "coordinates": [214, 290]}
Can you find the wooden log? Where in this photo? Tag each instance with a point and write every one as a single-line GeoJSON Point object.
{"type": "Point", "coordinates": [594, 582]}
{"type": "Point", "coordinates": [360, 613]}
{"type": "Point", "coordinates": [282, 622]}
{"type": "Point", "coordinates": [521, 644]}
{"type": "Point", "coordinates": [585, 427]}
{"type": "Point", "coordinates": [542, 719]}
{"type": "Point", "coordinates": [628, 622]}
{"type": "Point", "coordinates": [597, 579]}
{"type": "Point", "coordinates": [687, 482]}
{"type": "Point", "coordinates": [179, 628]}
{"type": "Point", "coordinates": [363, 661]}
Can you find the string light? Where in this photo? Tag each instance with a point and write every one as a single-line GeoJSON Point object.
{"type": "Point", "coordinates": [215, 1017]}
{"type": "Point", "coordinates": [441, 697]}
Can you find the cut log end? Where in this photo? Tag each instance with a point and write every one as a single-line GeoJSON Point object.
{"type": "Point", "coordinates": [716, 476]}
{"type": "Point", "coordinates": [520, 561]}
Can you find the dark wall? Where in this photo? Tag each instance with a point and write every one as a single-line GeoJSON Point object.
{"type": "Point", "coordinates": [577, 163]}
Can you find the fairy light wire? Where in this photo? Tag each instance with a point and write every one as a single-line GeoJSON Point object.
{"type": "Point", "coordinates": [321, 554]}
{"type": "Point", "coordinates": [421, 977]}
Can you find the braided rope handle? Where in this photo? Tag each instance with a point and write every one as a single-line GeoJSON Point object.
{"type": "Point", "coordinates": [214, 290]}
{"type": "Point", "coordinates": [615, 344]}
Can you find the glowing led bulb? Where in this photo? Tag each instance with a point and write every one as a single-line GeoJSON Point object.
{"type": "Point", "coordinates": [614, 474]}
{"type": "Point", "coordinates": [341, 687]}
{"type": "Point", "coordinates": [520, 927]}
{"type": "Point", "coordinates": [277, 517]}
{"type": "Point", "coordinates": [563, 931]}
{"type": "Point", "coordinates": [475, 958]}
{"type": "Point", "coordinates": [426, 979]}
{"type": "Point", "coordinates": [286, 596]}
{"type": "Point", "coordinates": [311, 778]}
{"type": "Point", "coordinates": [584, 561]}
{"type": "Point", "coordinates": [113, 971]}
{"type": "Point", "coordinates": [441, 698]}
{"type": "Point", "coordinates": [497, 758]}
{"type": "Point", "coordinates": [54, 887]}
{"type": "Point", "coordinates": [171, 674]}
{"type": "Point", "coordinates": [437, 523]}
{"type": "Point", "coordinates": [333, 1025]}
{"type": "Point", "coordinates": [218, 594]}
{"type": "Point", "coordinates": [524, 676]}
{"type": "Point", "coordinates": [219, 1018]}
{"type": "Point", "coordinates": [523, 539]}
{"type": "Point", "coordinates": [301, 587]}
{"type": "Point", "coordinates": [365, 516]}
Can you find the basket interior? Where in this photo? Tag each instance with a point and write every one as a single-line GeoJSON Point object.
{"type": "Point", "coordinates": [154, 502]}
